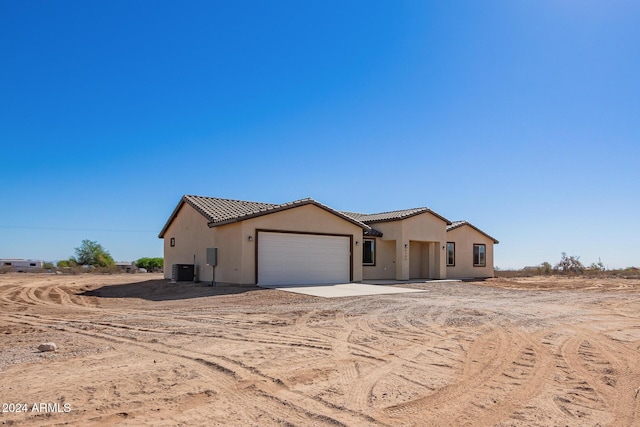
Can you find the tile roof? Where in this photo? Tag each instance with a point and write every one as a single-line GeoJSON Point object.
{"type": "Point", "coordinates": [458, 224]}
{"type": "Point", "coordinates": [218, 210]}
{"type": "Point", "coordinates": [224, 211]}
{"type": "Point", "coordinates": [373, 232]}
{"type": "Point", "coordinates": [392, 215]}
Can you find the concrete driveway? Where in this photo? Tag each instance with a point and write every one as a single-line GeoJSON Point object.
{"type": "Point", "coordinates": [341, 290]}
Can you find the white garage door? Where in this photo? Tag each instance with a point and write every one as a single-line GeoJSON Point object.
{"type": "Point", "coordinates": [302, 259]}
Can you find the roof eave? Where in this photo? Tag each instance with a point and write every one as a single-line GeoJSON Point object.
{"type": "Point", "coordinates": [171, 218]}
{"type": "Point", "coordinates": [426, 210]}
{"type": "Point", "coordinates": [372, 233]}
{"type": "Point", "coordinates": [285, 207]}
{"type": "Point", "coordinates": [184, 199]}
{"type": "Point", "coordinates": [495, 241]}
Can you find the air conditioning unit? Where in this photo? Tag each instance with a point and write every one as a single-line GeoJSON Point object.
{"type": "Point", "coordinates": [182, 273]}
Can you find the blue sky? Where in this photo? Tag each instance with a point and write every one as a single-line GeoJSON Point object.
{"type": "Point", "coordinates": [520, 117]}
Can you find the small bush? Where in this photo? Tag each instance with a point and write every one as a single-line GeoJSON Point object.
{"type": "Point", "coordinates": [569, 264]}
{"type": "Point", "coordinates": [545, 269]}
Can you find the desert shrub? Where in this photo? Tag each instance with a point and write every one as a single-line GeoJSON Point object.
{"type": "Point", "coordinates": [525, 272]}
{"type": "Point", "coordinates": [569, 264]}
{"type": "Point", "coordinates": [76, 269]}
{"type": "Point", "coordinates": [67, 263]}
{"type": "Point", "coordinates": [109, 269]}
{"type": "Point", "coordinates": [545, 268]}
{"type": "Point", "coordinates": [597, 266]}
{"type": "Point", "coordinates": [628, 273]}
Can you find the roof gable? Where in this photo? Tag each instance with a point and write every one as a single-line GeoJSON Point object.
{"type": "Point", "coordinates": [393, 215]}
{"type": "Point", "coordinates": [212, 207]}
{"type": "Point", "coordinates": [458, 224]}
{"type": "Point", "coordinates": [281, 207]}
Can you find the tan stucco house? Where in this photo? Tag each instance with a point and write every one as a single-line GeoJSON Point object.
{"type": "Point", "coordinates": [469, 251]}
{"type": "Point", "coordinates": [306, 242]}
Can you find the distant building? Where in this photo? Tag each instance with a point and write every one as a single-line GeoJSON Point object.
{"type": "Point", "coordinates": [127, 266]}
{"type": "Point", "coordinates": [21, 265]}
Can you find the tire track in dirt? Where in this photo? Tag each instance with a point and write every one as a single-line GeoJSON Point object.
{"type": "Point", "coordinates": [11, 295]}
{"type": "Point", "coordinates": [173, 332]}
{"type": "Point", "coordinates": [346, 365]}
{"type": "Point", "coordinates": [349, 375]}
{"type": "Point", "coordinates": [487, 358]}
{"type": "Point", "coordinates": [610, 368]}
{"type": "Point", "coordinates": [228, 380]}
{"type": "Point", "coordinates": [379, 384]}
{"type": "Point", "coordinates": [331, 341]}
{"type": "Point", "coordinates": [48, 295]}
{"type": "Point", "coordinates": [358, 383]}
{"type": "Point", "coordinates": [232, 372]}
{"type": "Point", "coordinates": [359, 392]}
{"type": "Point", "coordinates": [581, 396]}
{"type": "Point", "coordinates": [582, 371]}
{"type": "Point", "coordinates": [520, 383]}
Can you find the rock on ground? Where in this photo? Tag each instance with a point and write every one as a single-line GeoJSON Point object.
{"type": "Point", "coordinates": [48, 346]}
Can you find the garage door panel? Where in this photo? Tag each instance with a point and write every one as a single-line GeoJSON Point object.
{"type": "Point", "coordinates": [297, 259]}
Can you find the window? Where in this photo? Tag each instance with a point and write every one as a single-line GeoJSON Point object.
{"type": "Point", "coordinates": [369, 252]}
{"type": "Point", "coordinates": [173, 241]}
{"type": "Point", "coordinates": [479, 255]}
{"type": "Point", "coordinates": [451, 253]}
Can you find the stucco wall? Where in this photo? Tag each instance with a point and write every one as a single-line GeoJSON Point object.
{"type": "Point", "coordinates": [228, 241]}
{"type": "Point", "coordinates": [420, 228]}
{"type": "Point", "coordinates": [428, 228]}
{"type": "Point", "coordinates": [425, 227]}
{"type": "Point", "coordinates": [385, 267]}
{"type": "Point", "coordinates": [236, 253]}
{"type": "Point", "coordinates": [465, 237]}
{"type": "Point", "coordinates": [192, 237]}
{"type": "Point", "coordinates": [306, 218]}
{"type": "Point", "coordinates": [421, 258]}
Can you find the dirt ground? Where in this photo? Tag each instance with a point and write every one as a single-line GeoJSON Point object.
{"type": "Point", "coordinates": [137, 350]}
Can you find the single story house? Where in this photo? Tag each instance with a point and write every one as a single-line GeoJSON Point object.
{"type": "Point", "coordinates": [307, 242]}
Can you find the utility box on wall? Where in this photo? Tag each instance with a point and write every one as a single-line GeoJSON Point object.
{"type": "Point", "coordinates": [212, 256]}
{"type": "Point", "coordinates": [183, 272]}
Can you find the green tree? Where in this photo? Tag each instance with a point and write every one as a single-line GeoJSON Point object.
{"type": "Point", "coordinates": [92, 253]}
{"type": "Point", "coordinates": [150, 264]}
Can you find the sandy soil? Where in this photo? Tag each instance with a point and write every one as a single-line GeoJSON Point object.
{"type": "Point", "coordinates": [137, 350]}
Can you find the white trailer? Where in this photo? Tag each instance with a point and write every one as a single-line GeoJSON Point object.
{"type": "Point", "coordinates": [21, 265]}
